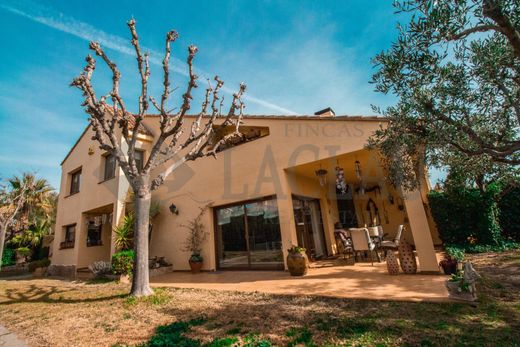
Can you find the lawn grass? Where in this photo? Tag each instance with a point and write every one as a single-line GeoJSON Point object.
{"type": "Point", "coordinates": [49, 312]}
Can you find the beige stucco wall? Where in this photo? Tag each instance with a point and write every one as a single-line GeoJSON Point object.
{"type": "Point", "coordinates": [256, 169]}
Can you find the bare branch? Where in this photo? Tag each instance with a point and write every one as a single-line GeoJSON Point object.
{"type": "Point", "coordinates": [476, 29]}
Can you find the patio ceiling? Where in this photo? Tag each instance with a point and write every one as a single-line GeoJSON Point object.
{"type": "Point", "coordinates": [370, 167]}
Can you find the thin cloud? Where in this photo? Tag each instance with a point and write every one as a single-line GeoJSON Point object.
{"type": "Point", "coordinates": [85, 31]}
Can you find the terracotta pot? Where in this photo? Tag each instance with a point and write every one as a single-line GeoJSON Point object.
{"type": "Point", "coordinates": [449, 268]}
{"type": "Point", "coordinates": [298, 264]}
{"type": "Point", "coordinates": [195, 266]}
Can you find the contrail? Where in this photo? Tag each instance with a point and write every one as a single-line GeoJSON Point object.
{"type": "Point", "coordinates": [87, 32]}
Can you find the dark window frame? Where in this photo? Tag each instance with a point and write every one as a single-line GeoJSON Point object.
{"type": "Point", "coordinates": [75, 188]}
{"type": "Point", "coordinates": [68, 242]}
{"type": "Point", "coordinates": [140, 163]}
{"type": "Point", "coordinates": [108, 175]}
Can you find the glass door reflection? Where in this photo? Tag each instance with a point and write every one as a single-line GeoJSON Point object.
{"type": "Point", "coordinates": [233, 250]}
{"type": "Point", "coordinates": [248, 236]}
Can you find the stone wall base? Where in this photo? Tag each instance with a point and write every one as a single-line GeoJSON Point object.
{"type": "Point", "coordinates": [67, 271]}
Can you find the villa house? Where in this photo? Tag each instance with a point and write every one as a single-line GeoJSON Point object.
{"type": "Point", "coordinates": [279, 186]}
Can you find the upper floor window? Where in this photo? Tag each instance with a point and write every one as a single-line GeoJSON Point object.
{"type": "Point", "coordinates": [110, 167]}
{"type": "Point", "coordinates": [75, 181]}
{"type": "Point", "coordinates": [139, 159]}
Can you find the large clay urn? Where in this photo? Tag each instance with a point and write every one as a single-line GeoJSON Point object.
{"type": "Point", "coordinates": [392, 264]}
{"type": "Point", "coordinates": [297, 261]}
{"type": "Point", "coordinates": [407, 258]}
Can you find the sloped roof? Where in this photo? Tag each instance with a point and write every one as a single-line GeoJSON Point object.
{"type": "Point", "coordinates": [141, 129]}
{"type": "Point", "coordinates": [145, 131]}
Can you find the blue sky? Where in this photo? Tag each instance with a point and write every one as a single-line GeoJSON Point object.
{"type": "Point", "coordinates": [295, 56]}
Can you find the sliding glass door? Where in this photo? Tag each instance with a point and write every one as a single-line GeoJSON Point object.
{"type": "Point", "coordinates": [309, 226]}
{"type": "Point", "coordinates": [248, 236]}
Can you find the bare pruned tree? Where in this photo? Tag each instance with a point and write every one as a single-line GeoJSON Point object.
{"type": "Point", "coordinates": [172, 147]}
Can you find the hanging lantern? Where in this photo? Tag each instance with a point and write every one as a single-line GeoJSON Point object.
{"type": "Point", "coordinates": [322, 176]}
{"type": "Point", "coordinates": [341, 184]}
{"type": "Point", "coordinates": [357, 166]}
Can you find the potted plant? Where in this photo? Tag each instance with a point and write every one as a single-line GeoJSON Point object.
{"type": "Point", "coordinates": [452, 260]}
{"type": "Point", "coordinates": [449, 265]}
{"type": "Point", "coordinates": [197, 235]}
{"type": "Point", "coordinates": [297, 261]}
{"type": "Point", "coordinates": [23, 254]}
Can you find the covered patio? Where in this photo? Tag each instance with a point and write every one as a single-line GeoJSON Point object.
{"type": "Point", "coordinates": [333, 278]}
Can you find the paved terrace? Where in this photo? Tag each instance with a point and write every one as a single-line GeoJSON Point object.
{"type": "Point", "coordinates": [326, 278]}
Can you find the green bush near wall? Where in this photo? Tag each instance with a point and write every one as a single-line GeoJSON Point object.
{"type": "Point", "coordinates": [8, 257]}
{"type": "Point", "coordinates": [509, 207]}
{"type": "Point", "coordinates": [123, 262]}
{"type": "Point", "coordinates": [467, 216]}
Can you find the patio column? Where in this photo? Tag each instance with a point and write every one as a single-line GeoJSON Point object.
{"type": "Point", "coordinates": [420, 232]}
{"type": "Point", "coordinates": [286, 217]}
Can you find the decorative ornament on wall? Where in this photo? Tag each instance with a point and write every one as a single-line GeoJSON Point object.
{"type": "Point", "coordinates": [90, 150]}
{"type": "Point", "coordinates": [341, 184]}
{"type": "Point", "coordinates": [357, 166]}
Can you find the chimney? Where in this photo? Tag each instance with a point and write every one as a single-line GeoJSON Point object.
{"type": "Point", "coordinates": [327, 112]}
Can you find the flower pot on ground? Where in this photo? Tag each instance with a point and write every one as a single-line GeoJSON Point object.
{"type": "Point", "coordinates": [22, 255]}
{"type": "Point", "coordinates": [197, 235]}
{"type": "Point", "coordinates": [297, 261]}
{"type": "Point", "coordinates": [449, 265]}
{"type": "Point", "coordinates": [196, 263]}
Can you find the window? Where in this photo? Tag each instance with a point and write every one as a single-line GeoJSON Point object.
{"type": "Point", "coordinates": [94, 234]}
{"type": "Point", "coordinates": [75, 181]}
{"type": "Point", "coordinates": [139, 159]}
{"type": "Point", "coordinates": [110, 167]}
{"type": "Point", "coordinates": [70, 236]}
{"type": "Point", "coordinates": [248, 235]}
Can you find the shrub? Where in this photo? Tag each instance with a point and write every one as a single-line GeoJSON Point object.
{"type": "Point", "coordinates": [8, 257]}
{"type": "Point", "coordinates": [124, 233]}
{"type": "Point", "coordinates": [509, 207]}
{"type": "Point", "coordinates": [100, 268]}
{"type": "Point", "coordinates": [197, 235]}
{"type": "Point", "coordinates": [123, 262]}
{"type": "Point", "coordinates": [39, 263]}
{"type": "Point", "coordinates": [455, 252]}
{"type": "Point", "coordinates": [466, 216]}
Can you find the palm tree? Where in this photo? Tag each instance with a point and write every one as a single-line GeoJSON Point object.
{"type": "Point", "coordinates": [36, 216]}
{"type": "Point", "coordinates": [39, 198]}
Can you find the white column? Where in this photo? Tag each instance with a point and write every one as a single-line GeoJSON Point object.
{"type": "Point", "coordinates": [420, 232]}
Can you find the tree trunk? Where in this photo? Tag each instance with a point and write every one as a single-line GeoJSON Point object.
{"type": "Point", "coordinates": [141, 280]}
{"type": "Point", "coordinates": [3, 231]}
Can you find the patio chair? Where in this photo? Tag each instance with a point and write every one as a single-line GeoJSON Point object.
{"type": "Point", "coordinates": [343, 242]}
{"type": "Point", "coordinates": [386, 245]}
{"type": "Point", "coordinates": [361, 242]}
